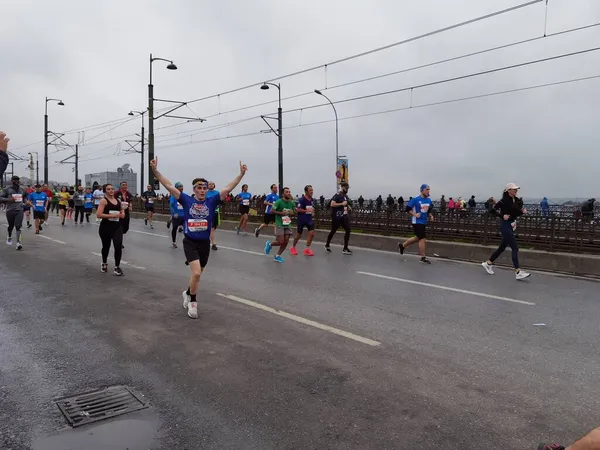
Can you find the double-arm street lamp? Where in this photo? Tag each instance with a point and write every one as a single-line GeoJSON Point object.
{"type": "Point", "coordinates": [279, 133]}
{"type": "Point", "coordinates": [336, 135]}
{"type": "Point", "coordinates": [60, 103]}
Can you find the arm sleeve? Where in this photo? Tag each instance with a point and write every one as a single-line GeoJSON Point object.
{"type": "Point", "coordinates": [3, 162]}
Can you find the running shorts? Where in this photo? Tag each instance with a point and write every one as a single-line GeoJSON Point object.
{"type": "Point", "coordinates": [420, 230]}
{"type": "Point", "coordinates": [39, 215]}
{"type": "Point", "coordinates": [283, 231]}
{"type": "Point", "coordinates": [309, 227]}
{"type": "Point", "coordinates": [269, 218]}
{"type": "Point", "coordinates": [196, 250]}
{"type": "Point", "coordinates": [244, 209]}
{"type": "Point", "coordinates": [150, 208]}
{"type": "Point", "coordinates": [215, 222]}
{"type": "Point", "coordinates": [63, 207]}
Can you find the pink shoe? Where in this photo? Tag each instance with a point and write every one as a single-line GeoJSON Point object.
{"type": "Point", "coordinates": [308, 252]}
{"type": "Point", "coordinates": [293, 251]}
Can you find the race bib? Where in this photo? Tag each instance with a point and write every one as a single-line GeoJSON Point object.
{"type": "Point", "coordinates": [39, 203]}
{"type": "Point", "coordinates": [179, 206]}
{"type": "Point", "coordinates": [96, 202]}
{"type": "Point", "coordinates": [150, 200]}
{"type": "Point", "coordinates": [424, 207]}
{"type": "Point", "coordinates": [345, 210]}
{"type": "Point", "coordinates": [18, 198]}
{"type": "Point", "coordinates": [124, 205]}
{"type": "Point", "coordinates": [286, 221]}
{"type": "Point", "coordinates": [196, 225]}
{"type": "Point", "coordinates": [309, 209]}
{"type": "Point", "coordinates": [246, 202]}
{"type": "Point", "coordinates": [115, 219]}
{"type": "Point", "coordinates": [514, 225]}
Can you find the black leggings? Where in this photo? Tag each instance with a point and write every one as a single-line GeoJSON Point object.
{"type": "Point", "coordinates": [15, 220]}
{"type": "Point", "coordinates": [508, 240]}
{"type": "Point", "coordinates": [79, 213]}
{"type": "Point", "coordinates": [111, 233]}
{"type": "Point", "coordinates": [176, 223]}
{"type": "Point", "coordinates": [337, 222]}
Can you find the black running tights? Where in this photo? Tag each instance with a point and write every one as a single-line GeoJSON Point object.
{"type": "Point", "coordinates": [112, 234]}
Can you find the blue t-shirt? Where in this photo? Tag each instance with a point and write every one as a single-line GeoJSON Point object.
{"type": "Point", "coordinates": [88, 201]}
{"type": "Point", "coordinates": [175, 207]}
{"type": "Point", "coordinates": [307, 204]}
{"type": "Point", "coordinates": [420, 205]}
{"type": "Point", "coordinates": [38, 199]}
{"type": "Point", "coordinates": [271, 198]}
{"type": "Point", "coordinates": [245, 198]}
{"type": "Point", "coordinates": [198, 216]}
{"type": "Point", "coordinates": [214, 193]}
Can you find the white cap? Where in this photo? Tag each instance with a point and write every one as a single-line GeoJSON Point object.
{"type": "Point", "coordinates": [510, 186]}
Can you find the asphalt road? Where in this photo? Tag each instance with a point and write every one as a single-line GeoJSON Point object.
{"type": "Point", "coordinates": [373, 351]}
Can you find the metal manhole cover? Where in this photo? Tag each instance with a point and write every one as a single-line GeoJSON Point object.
{"type": "Point", "coordinates": [99, 405]}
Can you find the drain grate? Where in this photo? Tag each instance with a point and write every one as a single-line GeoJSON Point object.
{"type": "Point", "coordinates": [99, 405]}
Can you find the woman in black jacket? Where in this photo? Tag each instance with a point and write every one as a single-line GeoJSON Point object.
{"type": "Point", "coordinates": [509, 208]}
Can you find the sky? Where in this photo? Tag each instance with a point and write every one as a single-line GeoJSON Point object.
{"type": "Point", "coordinates": [94, 56]}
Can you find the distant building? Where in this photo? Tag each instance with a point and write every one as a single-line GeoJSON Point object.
{"type": "Point", "coordinates": [123, 173]}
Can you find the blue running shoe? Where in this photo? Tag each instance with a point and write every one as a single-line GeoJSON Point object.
{"type": "Point", "coordinates": [268, 247]}
{"type": "Point", "coordinates": [278, 259]}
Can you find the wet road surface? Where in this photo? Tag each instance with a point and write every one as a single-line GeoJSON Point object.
{"type": "Point", "coordinates": [373, 351]}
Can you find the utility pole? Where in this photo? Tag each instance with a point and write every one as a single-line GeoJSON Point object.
{"type": "Point", "coordinates": [76, 166]}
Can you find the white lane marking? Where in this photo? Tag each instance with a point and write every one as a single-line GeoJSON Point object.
{"type": "Point", "coordinates": [303, 320]}
{"type": "Point", "coordinates": [446, 288]}
{"type": "Point", "coordinates": [539, 324]}
{"type": "Point", "coordinates": [50, 239]}
{"type": "Point", "coordinates": [122, 262]}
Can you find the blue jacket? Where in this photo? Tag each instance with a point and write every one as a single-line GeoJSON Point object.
{"type": "Point", "coordinates": [173, 206]}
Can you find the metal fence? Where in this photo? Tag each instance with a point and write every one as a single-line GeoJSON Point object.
{"type": "Point", "coordinates": [561, 230]}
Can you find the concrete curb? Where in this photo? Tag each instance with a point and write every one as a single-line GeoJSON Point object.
{"type": "Point", "coordinates": [568, 263]}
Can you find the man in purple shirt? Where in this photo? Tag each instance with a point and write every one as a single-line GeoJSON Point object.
{"type": "Point", "coordinates": [305, 219]}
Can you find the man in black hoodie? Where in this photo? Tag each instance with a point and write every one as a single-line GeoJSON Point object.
{"type": "Point", "coordinates": [3, 152]}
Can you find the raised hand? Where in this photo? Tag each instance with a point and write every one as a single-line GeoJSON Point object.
{"type": "Point", "coordinates": [154, 164]}
{"type": "Point", "coordinates": [243, 169]}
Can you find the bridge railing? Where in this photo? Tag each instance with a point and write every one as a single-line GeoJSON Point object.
{"type": "Point", "coordinates": [560, 230]}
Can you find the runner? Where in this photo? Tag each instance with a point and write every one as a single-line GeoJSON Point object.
{"type": "Point", "coordinates": [88, 203]}
{"type": "Point", "coordinates": [305, 219]}
{"type": "Point", "coordinates": [420, 208]}
{"type": "Point", "coordinates": [110, 212]}
{"type": "Point", "coordinates": [98, 195]}
{"type": "Point", "coordinates": [78, 203]}
{"type": "Point", "coordinates": [244, 199]}
{"type": "Point", "coordinates": [340, 206]}
{"type": "Point", "coordinates": [71, 203]}
{"type": "Point", "coordinates": [176, 214]}
{"type": "Point", "coordinates": [269, 218]}
{"type": "Point", "coordinates": [217, 219]}
{"type": "Point", "coordinates": [26, 207]}
{"type": "Point", "coordinates": [63, 203]}
{"type": "Point", "coordinates": [198, 214]}
{"type": "Point", "coordinates": [149, 197]}
{"type": "Point", "coordinates": [14, 196]}
{"type": "Point", "coordinates": [39, 201]}
{"type": "Point", "coordinates": [509, 209]}
{"type": "Point", "coordinates": [283, 209]}
{"type": "Point", "coordinates": [125, 197]}
{"type": "Point", "coordinates": [51, 199]}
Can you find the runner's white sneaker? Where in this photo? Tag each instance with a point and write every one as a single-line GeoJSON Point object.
{"type": "Point", "coordinates": [19, 246]}
{"type": "Point", "coordinates": [186, 299]}
{"type": "Point", "coordinates": [521, 275]}
{"type": "Point", "coordinates": [488, 268]}
{"type": "Point", "coordinates": [193, 310]}
{"type": "Point", "coordinates": [8, 241]}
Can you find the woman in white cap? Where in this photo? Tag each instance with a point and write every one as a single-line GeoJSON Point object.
{"type": "Point", "coordinates": [509, 208]}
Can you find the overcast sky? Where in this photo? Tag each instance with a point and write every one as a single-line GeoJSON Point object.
{"type": "Point", "coordinates": [94, 56]}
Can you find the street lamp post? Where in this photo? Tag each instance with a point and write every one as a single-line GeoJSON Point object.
{"type": "Point", "coordinates": [141, 113]}
{"type": "Point", "coordinates": [336, 135]}
{"type": "Point", "coordinates": [60, 103]}
{"type": "Point", "coordinates": [279, 133]}
{"type": "Point", "coordinates": [170, 66]}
